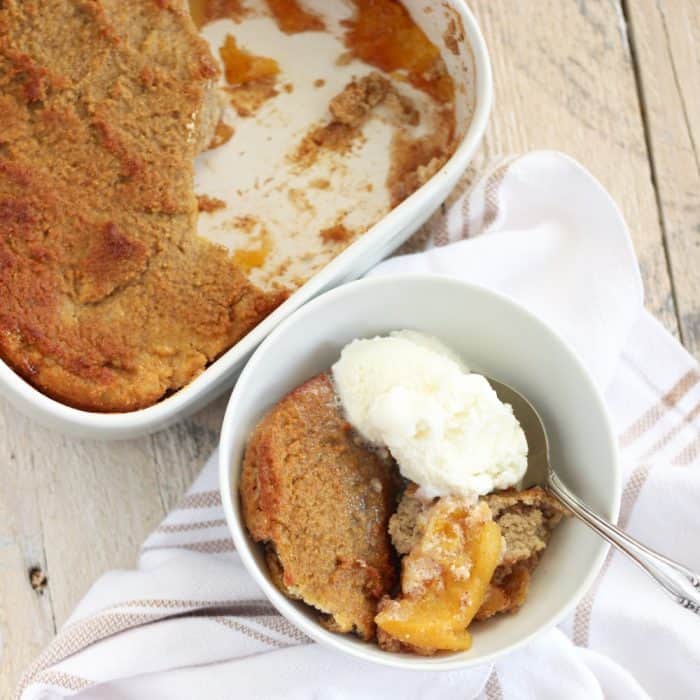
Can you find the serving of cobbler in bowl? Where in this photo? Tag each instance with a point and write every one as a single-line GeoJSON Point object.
{"type": "Point", "coordinates": [373, 480]}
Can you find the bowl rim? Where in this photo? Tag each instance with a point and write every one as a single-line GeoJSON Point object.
{"type": "Point", "coordinates": [132, 423]}
{"type": "Point", "coordinates": [284, 605]}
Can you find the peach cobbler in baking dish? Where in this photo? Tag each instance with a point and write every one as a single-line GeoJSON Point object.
{"type": "Point", "coordinates": [171, 172]}
{"type": "Point", "coordinates": [384, 493]}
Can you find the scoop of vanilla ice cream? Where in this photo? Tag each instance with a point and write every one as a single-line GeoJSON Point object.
{"type": "Point", "coordinates": [444, 426]}
{"type": "Point", "coordinates": [430, 342]}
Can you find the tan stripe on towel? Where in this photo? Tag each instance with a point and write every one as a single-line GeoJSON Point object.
{"type": "Point", "coordinates": [186, 527]}
{"type": "Point", "coordinates": [491, 192]}
{"type": "Point", "coordinates": [249, 632]}
{"type": "Point", "coordinates": [631, 493]}
{"type": "Point", "coordinates": [253, 606]}
{"type": "Point", "coordinates": [281, 625]}
{"type": "Point", "coordinates": [207, 547]}
{"type": "Point", "coordinates": [663, 441]}
{"type": "Point", "coordinates": [493, 688]}
{"type": "Point", "coordinates": [649, 419]}
{"type": "Point", "coordinates": [441, 235]}
{"type": "Point", "coordinates": [688, 454]}
{"type": "Point", "coordinates": [245, 608]}
{"type": "Point", "coordinates": [66, 681]}
{"type": "Point", "coordinates": [203, 499]}
{"type": "Point", "coordinates": [466, 215]}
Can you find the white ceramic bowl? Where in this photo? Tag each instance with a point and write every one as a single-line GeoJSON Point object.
{"type": "Point", "coordinates": [493, 335]}
{"type": "Point", "coordinates": [472, 71]}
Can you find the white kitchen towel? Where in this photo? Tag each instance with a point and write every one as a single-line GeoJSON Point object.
{"type": "Point", "coordinates": [190, 623]}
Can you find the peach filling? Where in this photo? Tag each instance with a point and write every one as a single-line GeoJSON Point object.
{"type": "Point", "coordinates": [293, 18]}
{"type": "Point", "coordinates": [444, 578]}
{"type": "Point", "coordinates": [383, 34]}
{"type": "Point", "coordinates": [241, 67]}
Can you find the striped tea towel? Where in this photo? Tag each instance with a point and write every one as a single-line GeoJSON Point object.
{"type": "Point", "coordinates": [190, 623]}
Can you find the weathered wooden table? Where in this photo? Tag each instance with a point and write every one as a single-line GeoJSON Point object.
{"type": "Point", "coordinates": [614, 83]}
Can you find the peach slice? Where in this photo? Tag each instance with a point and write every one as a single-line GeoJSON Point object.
{"type": "Point", "coordinates": [445, 577]}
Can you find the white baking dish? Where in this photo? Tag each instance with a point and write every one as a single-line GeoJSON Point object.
{"type": "Point", "coordinates": [471, 71]}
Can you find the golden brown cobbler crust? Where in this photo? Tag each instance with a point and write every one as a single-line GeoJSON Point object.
{"type": "Point", "coordinates": [109, 298]}
{"type": "Point", "coordinates": [321, 503]}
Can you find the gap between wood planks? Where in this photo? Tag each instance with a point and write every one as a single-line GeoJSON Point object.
{"type": "Point", "coordinates": [636, 69]}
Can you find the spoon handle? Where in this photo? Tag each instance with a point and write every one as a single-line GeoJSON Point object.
{"type": "Point", "coordinates": [682, 584]}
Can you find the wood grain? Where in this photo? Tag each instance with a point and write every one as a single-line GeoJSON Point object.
{"type": "Point", "coordinates": [73, 508]}
{"type": "Point", "coordinates": [26, 617]}
{"type": "Point", "coordinates": [566, 78]}
{"type": "Point", "coordinates": [665, 37]}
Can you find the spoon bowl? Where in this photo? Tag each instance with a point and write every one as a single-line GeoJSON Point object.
{"type": "Point", "coordinates": [678, 581]}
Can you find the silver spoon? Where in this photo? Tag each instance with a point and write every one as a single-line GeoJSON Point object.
{"type": "Point", "coordinates": [682, 584]}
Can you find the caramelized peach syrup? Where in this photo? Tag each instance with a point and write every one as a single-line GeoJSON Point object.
{"type": "Point", "coordinates": [204, 11]}
{"type": "Point", "coordinates": [241, 67]}
{"type": "Point", "coordinates": [292, 18]}
{"type": "Point", "coordinates": [383, 34]}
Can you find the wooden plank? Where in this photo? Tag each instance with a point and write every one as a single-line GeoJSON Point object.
{"type": "Point", "coordinates": [564, 80]}
{"type": "Point", "coordinates": [26, 616]}
{"type": "Point", "coordinates": [180, 452]}
{"type": "Point", "coordinates": [665, 37]}
{"type": "Point", "coordinates": [98, 502]}
{"type": "Point", "coordinates": [74, 508]}
{"type": "Point", "coordinates": [77, 509]}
